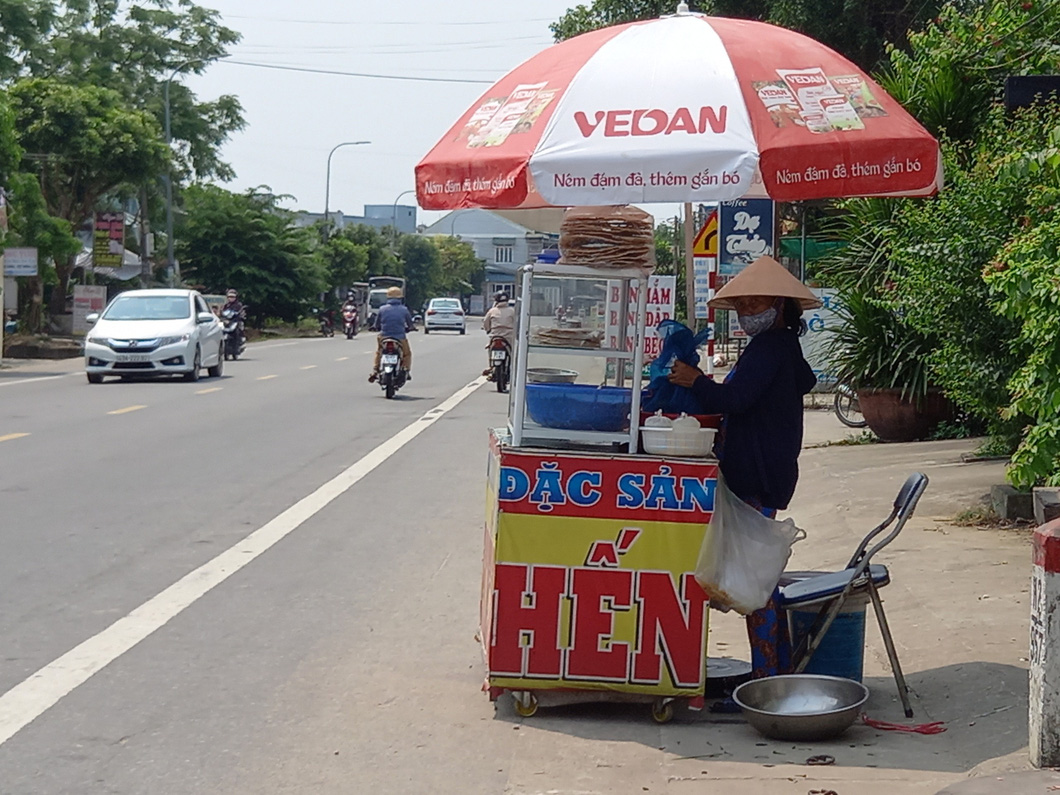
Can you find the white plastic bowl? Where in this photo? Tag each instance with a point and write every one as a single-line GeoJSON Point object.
{"type": "Point", "coordinates": [663, 441]}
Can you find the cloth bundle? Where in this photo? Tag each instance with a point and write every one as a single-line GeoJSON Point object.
{"type": "Point", "coordinates": [607, 237]}
{"type": "Point", "coordinates": [679, 343]}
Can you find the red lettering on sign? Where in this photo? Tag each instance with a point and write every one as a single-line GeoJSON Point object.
{"type": "Point", "coordinates": [526, 620]}
{"type": "Point", "coordinates": [653, 121]}
{"type": "Point", "coordinates": [598, 593]}
{"type": "Point", "coordinates": [670, 628]}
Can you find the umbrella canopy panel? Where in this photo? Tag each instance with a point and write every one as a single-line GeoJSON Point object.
{"type": "Point", "coordinates": [683, 108]}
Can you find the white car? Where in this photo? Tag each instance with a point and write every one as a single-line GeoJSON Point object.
{"type": "Point", "coordinates": [154, 332]}
{"type": "Point", "coordinates": [444, 313]}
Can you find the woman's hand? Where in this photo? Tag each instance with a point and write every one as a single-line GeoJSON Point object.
{"type": "Point", "coordinates": [684, 374]}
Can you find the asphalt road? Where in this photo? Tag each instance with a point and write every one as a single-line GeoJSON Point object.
{"type": "Point", "coordinates": [110, 494]}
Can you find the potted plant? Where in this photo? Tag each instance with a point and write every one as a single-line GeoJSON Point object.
{"type": "Point", "coordinates": [884, 359]}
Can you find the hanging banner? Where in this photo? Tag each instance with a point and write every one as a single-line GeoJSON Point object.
{"type": "Point", "coordinates": [108, 240]}
{"type": "Point", "coordinates": [746, 233]}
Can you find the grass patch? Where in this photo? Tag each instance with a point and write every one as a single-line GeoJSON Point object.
{"type": "Point", "coordinates": [865, 437]}
{"type": "Point", "coordinates": [983, 517]}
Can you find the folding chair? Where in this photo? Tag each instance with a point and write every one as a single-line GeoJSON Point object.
{"type": "Point", "coordinates": [861, 577]}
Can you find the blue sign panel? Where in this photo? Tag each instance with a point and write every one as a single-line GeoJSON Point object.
{"type": "Point", "coordinates": [745, 228]}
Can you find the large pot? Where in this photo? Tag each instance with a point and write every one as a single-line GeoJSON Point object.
{"type": "Point", "coordinates": [894, 419]}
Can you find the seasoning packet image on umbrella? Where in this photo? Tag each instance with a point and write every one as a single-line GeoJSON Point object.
{"type": "Point", "coordinates": [678, 343]}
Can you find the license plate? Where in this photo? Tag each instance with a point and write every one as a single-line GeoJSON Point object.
{"type": "Point", "coordinates": [498, 356]}
{"type": "Point", "coordinates": [133, 357]}
{"type": "Point", "coordinates": [390, 359]}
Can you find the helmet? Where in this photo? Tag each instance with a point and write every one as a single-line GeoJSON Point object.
{"type": "Point", "coordinates": [500, 297]}
{"type": "Point", "coordinates": [393, 292]}
{"type": "Point", "coordinates": [232, 293]}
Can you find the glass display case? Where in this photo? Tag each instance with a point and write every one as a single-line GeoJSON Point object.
{"type": "Point", "coordinates": [579, 357]}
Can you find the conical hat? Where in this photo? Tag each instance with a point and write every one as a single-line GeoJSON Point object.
{"type": "Point", "coordinates": [765, 276]}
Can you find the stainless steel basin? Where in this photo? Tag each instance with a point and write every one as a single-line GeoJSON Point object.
{"type": "Point", "coordinates": [801, 707]}
{"type": "Point", "coordinates": [550, 375]}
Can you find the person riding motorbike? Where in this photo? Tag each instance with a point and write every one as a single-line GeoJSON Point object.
{"type": "Point", "coordinates": [233, 303]}
{"type": "Point", "coordinates": [393, 322]}
{"type": "Point", "coordinates": [350, 304]}
{"type": "Point", "coordinates": [500, 322]}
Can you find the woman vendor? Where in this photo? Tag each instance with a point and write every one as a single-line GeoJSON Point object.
{"type": "Point", "coordinates": [761, 403]}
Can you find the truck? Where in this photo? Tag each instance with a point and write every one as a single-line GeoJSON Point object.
{"type": "Point", "coordinates": [377, 287]}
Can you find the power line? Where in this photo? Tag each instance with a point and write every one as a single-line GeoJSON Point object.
{"type": "Point", "coordinates": [360, 23]}
{"type": "Point", "coordinates": [358, 74]}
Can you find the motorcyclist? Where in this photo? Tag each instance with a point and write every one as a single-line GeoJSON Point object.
{"type": "Point", "coordinates": [233, 303]}
{"type": "Point", "coordinates": [393, 321]}
{"type": "Point", "coordinates": [500, 322]}
{"type": "Point", "coordinates": [350, 303]}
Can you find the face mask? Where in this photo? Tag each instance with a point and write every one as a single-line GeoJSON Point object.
{"type": "Point", "coordinates": [754, 325]}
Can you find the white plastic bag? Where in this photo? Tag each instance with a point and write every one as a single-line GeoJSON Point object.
{"type": "Point", "coordinates": [743, 553]}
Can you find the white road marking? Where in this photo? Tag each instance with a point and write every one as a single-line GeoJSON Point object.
{"type": "Point", "coordinates": [208, 391]}
{"type": "Point", "coordinates": [38, 378]}
{"type": "Point", "coordinates": [272, 345]}
{"type": "Point", "coordinates": [307, 367]}
{"type": "Point", "coordinates": [29, 699]}
{"type": "Point", "coordinates": [127, 409]}
{"type": "Point", "coordinates": [11, 436]}
{"type": "Point", "coordinates": [266, 377]}
{"type": "Point", "coordinates": [342, 358]}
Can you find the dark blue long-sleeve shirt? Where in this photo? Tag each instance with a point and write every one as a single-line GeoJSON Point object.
{"type": "Point", "coordinates": [762, 404]}
{"type": "Point", "coordinates": [394, 319]}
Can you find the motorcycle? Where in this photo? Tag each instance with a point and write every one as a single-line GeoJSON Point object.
{"type": "Point", "coordinates": [392, 372]}
{"type": "Point", "coordinates": [500, 362]}
{"type": "Point", "coordinates": [327, 326]}
{"type": "Point", "coordinates": [349, 323]}
{"type": "Point", "coordinates": [847, 408]}
{"type": "Point", "coordinates": [234, 342]}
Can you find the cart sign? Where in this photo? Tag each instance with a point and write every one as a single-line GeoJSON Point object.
{"type": "Point", "coordinates": [588, 581]}
{"type": "Point", "coordinates": [815, 342]}
{"type": "Point", "coordinates": [20, 262]}
{"type": "Point", "coordinates": [659, 306]}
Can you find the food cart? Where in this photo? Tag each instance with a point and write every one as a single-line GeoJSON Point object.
{"type": "Point", "coordinates": [587, 590]}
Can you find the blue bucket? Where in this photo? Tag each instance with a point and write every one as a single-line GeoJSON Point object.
{"type": "Point", "coordinates": [842, 651]}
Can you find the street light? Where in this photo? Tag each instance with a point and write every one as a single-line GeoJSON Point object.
{"type": "Point", "coordinates": [171, 263]}
{"type": "Point", "coordinates": [327, 182]}
{"type": "Point", "coordinates": [393, 215]}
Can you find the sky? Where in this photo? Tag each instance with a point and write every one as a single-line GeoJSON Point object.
{"type": "Point", "coordinates": [295, 118]}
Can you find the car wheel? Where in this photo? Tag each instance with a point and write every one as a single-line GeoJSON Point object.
{"type": "Point", "coordinates": [426, 330]}
{"type": "Point", "coordinates": [196, 365]}
{"type": "Point", "coordinates": [463, 329]}
{"type": "Point", "coordinates": [94, 378]}
{"type": "Point", "coordinates": [218, 369]}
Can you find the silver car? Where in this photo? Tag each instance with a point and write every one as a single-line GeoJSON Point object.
{"type": "Point", "coordinates": [154, 332]}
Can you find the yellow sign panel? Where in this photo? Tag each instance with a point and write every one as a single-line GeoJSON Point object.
{"type": "Point", "coordinates": [706, 242]}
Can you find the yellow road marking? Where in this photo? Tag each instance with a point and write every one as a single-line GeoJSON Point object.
{"type": "Point", "coordinates": [265, 377]}
{"type": "Point", "coordinates": [127, 409]}
{"type": "Point", "coordinates": [208, 391]}
{"type": "Point", "coordinates": [11, 436]}
{"type": "Point", "coordinates": [342, 358]}
{"type": "Point", "coordinates": [307, 367]}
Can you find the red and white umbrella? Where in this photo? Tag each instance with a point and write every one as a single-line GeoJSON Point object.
{"type": "Point", "coordinates": [685, 108]}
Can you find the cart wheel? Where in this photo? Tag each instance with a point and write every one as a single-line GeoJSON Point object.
{"type": "Point", "coordinates": [662, 711]}
{"type": "Point", "coordinates": [528, 707]}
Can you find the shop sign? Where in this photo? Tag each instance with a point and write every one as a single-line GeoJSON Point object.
{"type": "Point", "coordinates": [816, 341]}
{"type": "Point", "coordinates": [20, 261]}
{"type": "Point", "coordinates": [659, 306]}
{"type": "Point", "coordinates": [88, 298]}
{"type": "Point", "coordinates": [746, 231]}
{"type": "Point", "coordinates": [108, 240]}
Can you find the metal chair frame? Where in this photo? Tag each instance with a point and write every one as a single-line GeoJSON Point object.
{"type": "Point", "coordinates": [860, 581]}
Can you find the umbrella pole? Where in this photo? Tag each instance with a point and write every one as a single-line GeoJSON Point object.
{"type": "Point", "coordinates": [690, 279]}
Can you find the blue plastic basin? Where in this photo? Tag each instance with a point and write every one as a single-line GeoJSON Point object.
{"type": "Point", "coordinates": [579, 407]}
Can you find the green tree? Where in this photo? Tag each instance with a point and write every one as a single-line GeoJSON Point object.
{"type": "Point", "coordinates": [461, 272]}
{"type": "Point", "coordinates": [859, 29]}
{"type": "Point", "coordinates": [134, 49]}
{"type": "Point", "coordinates": [246, 241]}
{"type": "Point", "coordinates": [421, 267]}
{"type": "Point", "coordinates": [86, 144]}
{"type": "Point", "coordinates": [952, 70]}
{"type": "Point", "coordinates": [23, 23]}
